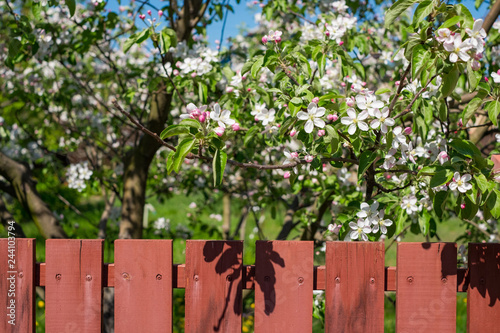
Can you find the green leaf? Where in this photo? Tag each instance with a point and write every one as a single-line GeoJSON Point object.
{"type": "Point", "coordinates": [247, 66]}
{"type": "Point", "coordinates": [422, 11]}
{"type": "Point", "coordinates": [420, 59]}
{"type": "Point", "coordinates": [465, 148]}
{"type": "Point", "coordinates": [493, 109]}
{"type": "Point", "coordinates": [493, 203]}
{"type": "Point", "coordinates": [36, 9]}
{"type": "Point", "coordinates": [451, 22]}
{"type": "Point", "coordinates": [482, 182]}
{"type": "Point", "coordinates": [191, 123]}
{"type": "Point", "coordinates": [296, 100]}
{"type": "Point", "coordinates": [424, 222]}
{"type": "Point", "coordinates": [382, 91]}
{"type": "Point", "coordinates": [465, 15]}
{"type": "Point", "coordinates": [365, 160]}
{"type": "Point", "coordinates": [471, 109]}
{"type": "Point", "coordinates": [438, 202]}
{"type": "Point", "coordinates": [332, 137]}
{"type": "Point", "coordinates": [398, 8]}
{"type": "Point", "coordinates": [322, 64]}
{"type": "Point", "coordinates": [136, 38]}
{"type": "Point", "coordinates": [168, 39]}
{"type": "Point", "coordinates": [257, 65]}
{"type": "Point", "coordinates": [183, 149]}
{"type": "Point", "coordinates": [173, 130]}
{"type": "Point", "coordinates": [400, 222]}
{"type": "Point", "coordinates": [170, 162]}
{"type": "Point", "coordinates": [250, 134]}
{"type": "Point", "coordinates": [218, 166]}
{"type": "Point", "coordinates": [15, 46]}
{"type": "Point", "coordinates": [441, 177]}
{"type": "Point", "coordinates": [472, 76]}
{"type": "Point", "coordinates": [450, 82]}
{"type": "Point", "coordinates": [71, 6]}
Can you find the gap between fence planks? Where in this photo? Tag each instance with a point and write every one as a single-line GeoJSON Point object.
{"type": "Point", "coordinates": [178, 277]}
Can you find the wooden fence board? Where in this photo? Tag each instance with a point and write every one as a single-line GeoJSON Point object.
{"type": "Point", "coordinates": [283, 286]}
{"type": "Point", "coordinates": [73, 285]}
{"type": "Point", "coordinates": [143, 285]}
{"type": "Point", "coordinates": [214, 282]}
{"type": "Point", "coordinates": [17, 285]}
{"type": "Point", "coordinates": [354, 287]}
{"type": "Point", "coordinates": [426, 294]}
{"type": "Point", "coordinates": [483, 296]}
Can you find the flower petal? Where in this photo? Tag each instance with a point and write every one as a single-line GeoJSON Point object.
{"type": "Point", "coordinates": [309, 126]}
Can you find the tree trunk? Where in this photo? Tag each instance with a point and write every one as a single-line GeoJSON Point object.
{"type": "Point", "coordinates": [19, 176]}
{"type": "Point", "coordinates": [137, 164]}
{"type": "Point", "coordinates": [6, 217]}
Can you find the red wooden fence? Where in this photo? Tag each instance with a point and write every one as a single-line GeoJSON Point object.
{"type": "Point", "coordinates": [426, 281]}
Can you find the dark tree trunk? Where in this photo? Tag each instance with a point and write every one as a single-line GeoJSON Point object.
{"type": "Point", "coordinates": [24, 187]}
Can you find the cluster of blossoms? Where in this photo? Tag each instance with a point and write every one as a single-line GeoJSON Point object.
{"type": "Point", "coordinates": [370, 220]}
{"type": "Point", "coordinates": [274, 36]}
{"type": "Point", "coordinates": [161, 224]}
{"type": "Point", "coordinates": [77, 174]}
{"type": "Point", "coordinates": [464, 50]}
{"type": "Point", "coordinates": [196, 61]}
{"type": "Point", "coordinates": [222, 118]}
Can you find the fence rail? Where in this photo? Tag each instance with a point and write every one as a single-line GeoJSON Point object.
{"type": "Point", "coordinates": [426, 280]}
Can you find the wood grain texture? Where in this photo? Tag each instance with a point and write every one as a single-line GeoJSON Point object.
{"type": "Point", "coordinates": [426, 294]}
{"type": "Point", "coordinates": [17, 284]}
{"type": "Point", "coordinates": [283, 286]}
{"type": "Point", "coordinates": [354, 287]}
{"type": "Point", "coordinates": [483, 297]}
{"type": "Point", "coordinates": [143, 285]}
{"type": "Point", "coordinates": [214, 282]}
{"type": "Point", "coordinates": [73, 285]}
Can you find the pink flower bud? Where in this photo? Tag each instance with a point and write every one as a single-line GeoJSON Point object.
{"type": "Point", "coordinates": [277, 39]}
{"type": "Point", "coordinates": [350, 102]}
{"type": "Point", "coordinates": [462, 206]}
{"type": "Point", "coordinates": [486, 79]}
{"type": "Point", "coordinates": [327, 33]}
{"type": "Point", "coordinates": [278, 125]}
{"type": "Point", "coordinates": [321, 132]}
{"type": "Point", "coordinates": [341, 43]}
{"type": "Point", "coordinates": [202, 118]}
{"type": "Point", "coordinates": [408, 130]}
{"type": "Point", "coordinates": [294, 155]}
{"type": "Point", "coordinates": [286, 175]}
{"type": "Point", "coordinates": [160, 13]}
{"type": "Point", "coordinates": [142, 17]}
{"type": "Point", "coordinates": [264, 39]}
{"type": "Point", "coordinates": [388, 176]}
{"type": "Point", "coordinates": [219, 131]}
{"type": "Point", "coordinates": [292, 133]}
{"type": "Point", "coordinates": [249, 89]}
{"type": "Point", "coordinates": [235, 127]}
{"type": "Point", "coordinates": [309, 158]}
{"type": "Point", "coordinates": [397, 83]}
{"type": "Point", "coordinates": [460, 123]}
{"type": "Point", "coordinates": [342, 84]}
{"type": "Point", "coordinates": [176, 72]}
{"type": "Point", "coordinates": [149, 12]}
{"type": "Point", "coordinates": [229, 89]}
{"type": "Point", "coordinates": [315, 100]}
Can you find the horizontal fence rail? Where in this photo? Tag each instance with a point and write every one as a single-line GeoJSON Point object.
{"type": "Point", "coordinates": [426, 281]}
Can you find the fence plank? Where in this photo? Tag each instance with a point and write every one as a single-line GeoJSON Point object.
{"type": "Point", "coordinates": [426, 294]}
{"type": "Point", "coordinates": [283, 286]}
{"type": "Point", "coordinates": [73, 285]}
{"type": "Point", "coordinates": [483, 297]}
{"type": "Point", "coordinates": [17, 285]}
{"type": "Point", "coordinates": [354, 287]}
{"type": "Point", "coordinates": [213, 286]}
{"type": "Point", "coordinates": [143, 285]}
